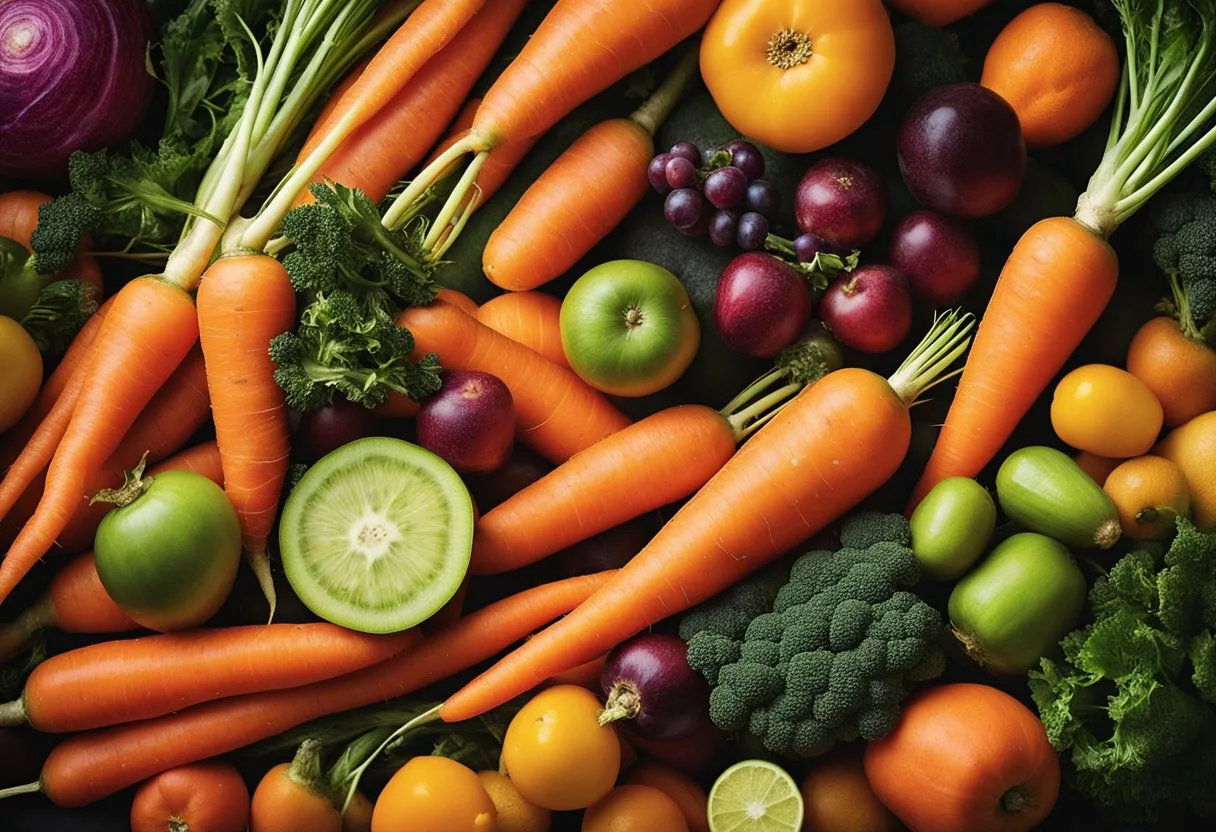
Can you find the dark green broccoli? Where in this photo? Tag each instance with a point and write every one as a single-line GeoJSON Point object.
{"type": "Point", "coordinates": [1185, 250]}
{"type": "Point", "coordinates": [1131, 702]}
{"type": "Point", "coordinates": [61, 310]}
{"type": "Point", "coordinates": [925, 58]}
{"type": "Point", "coordinates": [832, 656]}
{"type": "Point", "coordinates": [1207, 164]}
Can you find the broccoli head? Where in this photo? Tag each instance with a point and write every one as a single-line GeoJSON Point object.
{"type": "Point", "coordinates": [1185, 249]}
{"type": "Point", "coordinates": [834, 654]}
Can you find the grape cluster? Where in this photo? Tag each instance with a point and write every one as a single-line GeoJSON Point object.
{"type": "Point", "coordinates": [722, 195]}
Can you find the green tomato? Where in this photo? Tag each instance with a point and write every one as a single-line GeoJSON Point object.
{"type": "Point", "coordinates": [169, 557]}
{"type": "Point", "coordinates": [1018, 603]}
{"type": "Point", "coordinates": [20, 372]}
{"type": "Point", "coordinates": [952, 526]}
{"type": "Point", "coordinates": [628, 328]}
{"type": "Point", "coordinates": [19, 284]}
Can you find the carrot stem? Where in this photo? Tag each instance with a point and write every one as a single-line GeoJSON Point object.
{"type": "Point", "coordinates": [945, 342]}
{"type": "Point", "coordinates": [12, 714]}
{"type": "Point", "coordinates": [402, 206]}
{"type": "Point", "coordinates": [663, 100]}
{"type": "Point", "coordinates": [14, 791]}
{"type": "Point", "coordinates": [15, 635]}
{"type": "Point", "coordinates": [422, 719]}
{"type": "Point", "coordinates": [452, 205]}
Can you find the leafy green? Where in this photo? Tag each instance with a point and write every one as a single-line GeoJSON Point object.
{"type": "Point", "coordinates": [1131, 703]}
{"type": "Point", "coordinates": [61, 309]}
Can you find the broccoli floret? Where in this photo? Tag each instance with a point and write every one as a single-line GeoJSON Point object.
{"type": "Point", "coordinates": [729, 613]}
{"type": "Point", "coordinates": [62, 308]}
{"type": "Point", "coordinates": [1207, 164]}
{"type": "Point", "coordinates": [342, 346]}
{"type": "Point", "coordinates": [56, 239]}
{"type": "Point", "coordinates": [835, 665]}
{"type": "Point", "coordinates": [1185, 249]}
{"type": "Point", "coordinates": [864, 529]}
{"type": "Point", "coordinates": [925, 58]}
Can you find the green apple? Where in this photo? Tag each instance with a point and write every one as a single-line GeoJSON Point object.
{"type": "Point", "coordinates": [628, 328]}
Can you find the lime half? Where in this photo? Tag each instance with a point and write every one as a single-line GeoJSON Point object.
{"type": "Point", "coordinates": [755, 796]}
{"type": "Point", "coordinates": [377, 535]}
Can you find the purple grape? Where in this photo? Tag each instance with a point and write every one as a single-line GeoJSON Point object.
{"type": "Point", "coordinates": [722, 228]}
{"type": "Point", "coordinates": [753, 229]}
{"type": "Point", "coordinates": [808, 245]}
{"type": "Point", "coordinates": [725, 187]}
{"type": "Point", "coordinates": [656, 172]}
{"type": "Point", "coordinates": [687, 150]}
{"type": "Point", "coordinates": [746, 157]}
{"type": "Point", "coordinates": [762, 197]}
{"type": "Point", "coordinates": [699, 228]}
{"type": "Point", "coordinates": [683, 208]}
{"type": "Point", "coordinates": [680, 172]}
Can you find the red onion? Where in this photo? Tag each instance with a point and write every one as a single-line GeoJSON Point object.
{"type": "Point", "coordinates": [647, 679]}
{"type": "Point", "coordinates": [72, 77]}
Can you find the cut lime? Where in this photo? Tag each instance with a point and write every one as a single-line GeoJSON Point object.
{"type": "Point", "coordinates": [755, 796]}
{"type": "Point", "coordinates": [377, 535]}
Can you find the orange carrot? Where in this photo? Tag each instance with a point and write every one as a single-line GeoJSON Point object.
{"type": "Point", "coordinates": [58, 396]}
{"type": "Point", "coordinates": [90, 766]}
{"type": "Point", "coordinates": [458, 299]}
{"type": "Point", "coordinates": [244, 301]}
{"type": "Point", "coordinates": [122, 681]}
{"type": "Point", "coordinates": [75, 602]}
{"type": "Point", "coordinates": [380, 152]}
{"type": "Point", "coordinates": [145, 336]}
{"type": "Point", "coordinates": [1046, 318]}
{"type": "Point", "coordinates": [14, 440]}
{"type": "Point", "coordinates": [531, 318]}
{"type": "Point", "coordinates": [581, 48]}
{"type": "Point", "coordinates": [834, 444]}
{"type": "Point", "coordinates": [583, 195]}
{"type": "Point", "coordinates": [557, 413]}
{"type": "Point", "coordinates": [500, 163]}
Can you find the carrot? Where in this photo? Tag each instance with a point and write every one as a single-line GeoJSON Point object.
{"type": "Point", "coordinates": [293, 796]}
{"type": "Point", "coordinates": [122, 681]}
{"type": "Point", "coordinates": [38, 433]}
{"type": "Point", "coordinates": [458, 299]}
{"type": "Point", "coordinates": [90, 766]}
{"type": "Point", "coordinates": [244, 301]}
{"type": "Point", "coordinates": [583, 195]}
{"type": "Point", "coordinates": [380, 152]}
{"type": "Point", "coordinates": [500, 163]}
{"type": "Point", "coordinates": [531, 318]}
{"type": "Point", "coordinates": [557, 413]}
{"type": "Point", "coordinates": [598, 489]}
{"type": "Point", "coordinates": [75, 602]}
{"type": "Point", "coordinates": [586, 675]}
{"type": "Point", "coordinates": [145, 336]}
{"type": "Point", "coordinates": [1046, 318]}
{"type": "Point", "coordinates": [581, 48]}
{"type": "Point", "coordinates": [834, 444]}
{"type": "Point", "coordinates": [19, 217]}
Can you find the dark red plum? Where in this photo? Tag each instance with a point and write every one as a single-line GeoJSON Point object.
{"type": "Point", "coordinates": [842, 201]}
{"type": "Point", "coordinates": [938, 255]}
{"type": "Point", "coordinates": [610, 549]}
{"type": "Point", "coordinates": [470, 422]}
{"type": "Point", "coordinates": [329, 428]}
{"type": "Point", "coordinates": [961, 151]}
{"type": "Point", "coordinates": [647, 680]}
{"type": "Point", "coordinates": [761, 304]}
{"type": "Point", "coordinates": [869, 309]}
{"type": "Point", "coordinates": [522, 468]}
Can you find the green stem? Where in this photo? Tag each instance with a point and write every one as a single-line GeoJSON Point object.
{"type": "Point", "coordinates": [15, 635]}
{"type": "Point", "coordinates": [663, 100]}
{"type": "Point", "coordinates": [306, 767]}
{"type": "Point", "coordinates": [451, 206]}
{"type": "Point", "coordinates": [134, 484]}
{"type": "Point", "coordinates": [747, 421]}
{"type": "Point", "coordinates": [944, 344]}
{"type": "Point", "coordinates": [15, 791]}
{"type": "Point", "coordinates": [13, 714]}
{"type": "Point", "coordinates": [1182, 305]}
{"type": "Point", "coordinates": [357, 774]}
{"type": "Point", "coordinates": [402, 206]}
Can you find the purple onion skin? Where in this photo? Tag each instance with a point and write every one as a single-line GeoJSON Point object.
{"type": "Point", "coordinates": [651, 669]}
{"type": "Point", "coordinates": [72, 77]}
{"type": "Point", "coordinates": [470, 422]}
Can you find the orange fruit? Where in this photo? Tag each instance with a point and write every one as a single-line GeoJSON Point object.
{"type": "Point", "coordinates": [1192, 447]}
{"type": "Point", "coordinates": [515, 813]}
{"type": "Point", "coordinates": [681, 788]}
{"type": "Point", "coordinates": [1149, 492]}
{"type": "Point", "coordinates": [1179, 370]}
{"type": "Point", "coordinates": [1098, 467]}
{"type": "Point", "coordinates": [434, 794]}
{"type": "Point", "coordinates": [1106, 411]}
{"type": "Point", "coordinates": [1058, 70]}
{"type": "Point", "coordinates": [837, 797]}
{"type": "Point", "coordinates": [634, 809]}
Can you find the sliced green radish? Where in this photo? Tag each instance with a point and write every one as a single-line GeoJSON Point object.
{"type": "Point", "coordinates": [377, 535]}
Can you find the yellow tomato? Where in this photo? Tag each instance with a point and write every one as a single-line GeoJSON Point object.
{"type": "Point", "coordinates": [634, 809]}
{"type": "Point", "coordinates": [515, 813]}
{"type": "Point", "coordinates": [556, 754]}
{"type": "Point", "coordinates": [21, 377]}
{"type": "Point", "coordinates": [1106, 411]}
{"type": "Point", "coordinates": [798, 75]}
{"type": "Point", "coordinates": [434, 794]}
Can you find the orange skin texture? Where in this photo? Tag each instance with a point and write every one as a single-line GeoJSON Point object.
{"type": "Point", "coordinates": [1106, 411]}
{"type": "Point", "coordinates": [1149, 492]}
{"type": "Point", "coordinates": [434, 794]}
{"type": "Point", "coordinates": [957, 750]}
{"type": "Point", "coordinates": [204, 797]}
{"type": "Point", "coordinates": [682, 789]}
{"type": "Point", "coordinates": [634, 808]}
{"type": "Point", "coordinates": [280, 804]}
{"type": "Point", "coordinates": [1192, 447]}
{"type": "Point", "coordinates": [1058, 70]}
{"type": "Point", "coordinates": [852, 57]}
{"type": "Point", "coordinates": [1179, 370]}
{"type": "Point", "coordinates": [837, 797]}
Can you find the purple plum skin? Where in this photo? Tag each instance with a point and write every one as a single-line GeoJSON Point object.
{"type": "Point", "coordinates": [842, 201]}
{"type": "Point", "coordinates": [961, 151]}
{"type": "Point", "coordinates": [470, 422]}
{"type": "Point", "coordinates": [761, 304]}
{"type": "Point", "coordinates": [937, 254]}
{"type": "Point", "coordinates": [868, 309]}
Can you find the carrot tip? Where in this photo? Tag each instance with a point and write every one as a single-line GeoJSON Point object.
{"type": "Point", "coordinates": [259, 562]}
